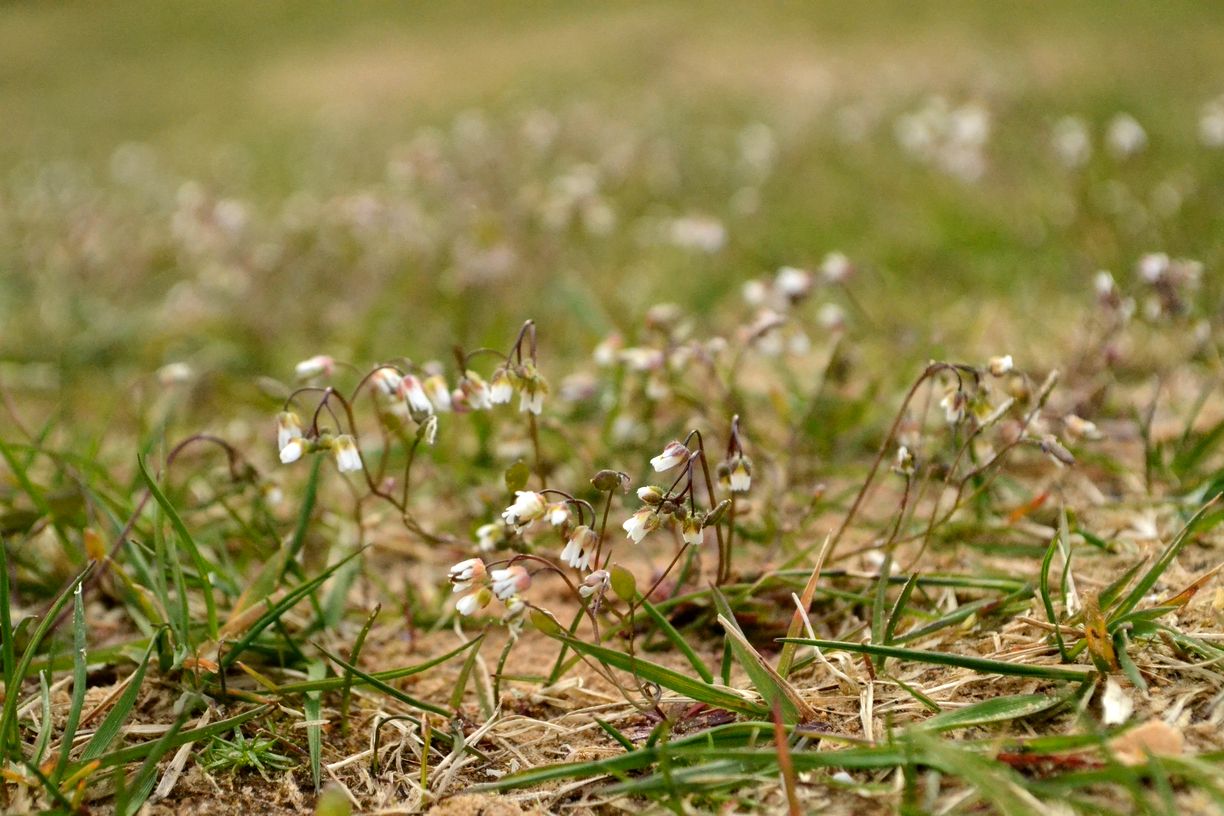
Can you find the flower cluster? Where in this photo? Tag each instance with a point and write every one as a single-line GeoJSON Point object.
{"type": "Point", "coordinates": [479, 586]}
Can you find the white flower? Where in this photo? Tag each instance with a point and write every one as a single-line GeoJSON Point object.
{"type": "Point", "coordinates": [557, 513]}
{"type": "Point", "coordinates": [514, 607]}
{"type": "Point", "coordinates": [386, 380]}
{"type": "Point", "coordinates": [475, 391]}
{"type": "Point", "coordinates": [410, 388]}
{"type": "Point", "coordinates": [905, 459]}
{"type": "Point", "coordinates": [319, 364]}
{"type": "Point", "coordinates": [1116, 704]}
{"type": "Point", "coordinates": [697, 232]}
{"type": "Point", "coordinates": [1153, 266]}
{"type": "Point", "coordinates": [836, 268]}
{"type": "Point", "coordinates": [1080, 428]}
{"type": "Point", "coordinates": [501, 387]}
{"type": "Point", "coordinates": [344, 449]}
{"type": "Point", "coordinates": [1072, 142]}
{"type": "Point", "coordinates": [1000, 365]}
{"type": "Point", "coordinates": [510, 581]}
{"type": "Point", "coordinates": [953, 404]}
{"type": "Point", "coordinates": [793, 283]}
{"type": "Point", "coordinates": [650, 494]}
{"type": "Point", "coordinates": [755, 292]}
{"type": "Point", "coordinates": [473, 602]}
{"type": "Point", "coordinates": [606, 352]}
{"type": "Point", "coordinates": [642, 359]}
{"type": "Point", "coordinates": [639, 525]}
{"type": "Point", "coordinates": [466, 573]}
{"type": "Point", "coordinates": [831, 317]}
{"type": "Point", "coordinates": [580, 548]}
{"type": "Point", "coordinates": [288, 428]}
{"type": "Point", "coordinates": [690, 529]}
{"type": "Point", "coordinates": [430, 429]}
{"type": "Point", "coordinates": [488, 536]}
{"type": "Point", "coordinates": [292, 451]}
{"type": "Point", "coordinates": [438, 393]}
{"type": "Point", "coordinates": [1103, 283]}
{"type": "Point", "coordinates": [741, 474]}
{"type": "Point", "coordinates": [174, 374]}
{"type": "Point", "coordinates": [673, 454]}
{"type": "Point", "coordinates": [528, 506]}
{"type": "Point", "coordinates": [1125, 136]}
{"type": "Point", "coordinates": [532, 399]}
{"type": "Point", "coordinates": [596, 583]}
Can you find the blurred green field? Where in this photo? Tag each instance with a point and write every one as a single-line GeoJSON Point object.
{"type": "Point", "coordinates": [271, 104]}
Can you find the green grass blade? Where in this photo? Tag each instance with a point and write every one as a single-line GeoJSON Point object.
{"type": "Point", "coordinates": [278, 609]}
{"type": "Point", "coordinates": [1149, 579]}
{"type": "Point", "coordinates": [314, 732]}
{"type": "Point", "coordinates": [109, 729]}
{"type": "Point", "coordinates": [389, 690]}
{"type": "Point", "coordinates": [677, 640]}
{"type": "Point", "coordinates": [338, 683]}
{"type": "Point", "coordinates": [8, 716]}
{"type": "Point", "coordinates": [978, 664]}
{"type": "Point", "coordinates": [7, 654]}
{"type": "Point", "coordinates": [1000, 709]}
{"type": "Point", "coordinates": [79, 680]}
{"type": "Point", "coordinates": [664, 677]}
{"type": "Point", "coordinates": [203, 568]}
{"type": "Point", "coordinates": [1047, 602]}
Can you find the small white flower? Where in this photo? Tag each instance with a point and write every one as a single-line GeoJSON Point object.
{"type": "Point", "coordinates": [607, 351]}
{"type": "Point", "coordinates": [313, 367]}
{"type": "Point", "coordinates": [429, 429]}
{"type": "Point", "coordinates": [580, 548]}
{"type": "Point", "coordinates": [411, 389]}
{"type": "Point", "coordinates": [1125, 136]}
{"type": "Point", "coordinates": [292, 451]}
{"type": "Point", "coordinates": [690, 529]}
{"type": "Point", "coordinates": [755, 292]}
{"type": "Point", "coordinates": [466, 573]}
{"type": "Point", "coordinates": [510, 581]}
{"type": "Point", "coordinates": [1103, 283]}
{"type": "Point", "coordinates": [741, 474]}
{"type": "Point", "coordinates": [515, 606]}
{"type": "Point", "coordinates": [675, 453]}
{"type": "Point", "coordinates": [641, 523]}
{"type": "Point", "coordinates": [473, 602]}
{"type": "Point", "coordinates": [557, 513]}
{"type": "Point", "coordinates": [642, 359]}
{"type": "Point", "coordinates": [1072, 142]}
{"type": "Point", "coordinates": [596, 583]}
{"type": "Point", "coordinates": [836, 268]}
{"type": "Point", "coordinates": [953, 403]}
{"type": "Point", "coordinates": [905, 459]}
{"type": "Point", "coordinates": [488, 536]}
{"type": "Point", "coordinates": [475, 391]}
{"type": "Point", "coordinates": [528, 506]}
{"type": "Point", "coordinates": [531, 399]}
{"type": "Point", "coordinates": [438, 393]}
{"type": "Point", "coordinates": [344, 449]}
{"type": "Point", "coordinates": [174, 374]}
{"type": "Point", "coordinates": [1153, 266]}
{"type": "Point", "coordinates": [1116, 704]}
{"type": "Point", "coordinates": [1001, 365]}
{"type": "Point", "coordinates": [831, 317]}
{"type": "Point", "coordinates": [1079, 428]}
{"type": "Point", "coordinates": [501, 387]}
{"type": "Point", "coordinates": [288, 428]}
{"type": "Point", "coordinates": [387, 381]}
{"type": "Point", "coordinates": [650, 494]}
{"type": "Point", "coordinates": [793, 283]}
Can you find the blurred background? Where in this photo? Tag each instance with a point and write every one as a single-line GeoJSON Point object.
{"type": "Point", "coordinates": [238, 186]}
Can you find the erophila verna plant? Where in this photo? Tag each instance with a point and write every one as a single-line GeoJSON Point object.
{"type": "Point", "coordinates": [738, 522]}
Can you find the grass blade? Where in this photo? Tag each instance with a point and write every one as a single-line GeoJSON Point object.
{"type": "Point", "coordinates": [203, 568]}
{"type": "Point", "coordinates": [79, 680]}
{"type": "Point", "coordinates": [978, 664]}
{"type": "Point", "coordinates": [109, 729]}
